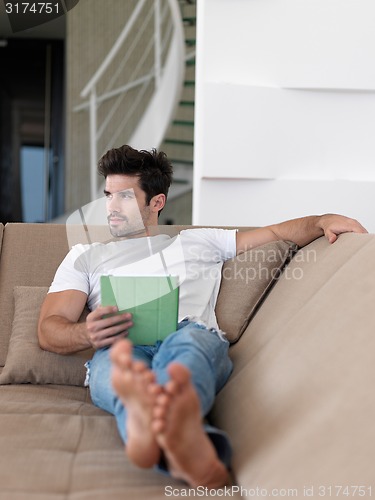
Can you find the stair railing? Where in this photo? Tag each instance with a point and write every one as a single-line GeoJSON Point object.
{"type": "Point", "coordinates": [166, 74]}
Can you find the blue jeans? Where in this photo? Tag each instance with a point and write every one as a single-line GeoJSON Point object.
{"type": "Point", "coordinates": [204, 352]}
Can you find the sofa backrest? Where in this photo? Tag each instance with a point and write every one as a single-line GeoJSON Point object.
{"type": "Point", "coordinates": [30, 255]}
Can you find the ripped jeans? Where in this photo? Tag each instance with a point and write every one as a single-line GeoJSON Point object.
{"type": "Point", "coordinates": [204, 352]}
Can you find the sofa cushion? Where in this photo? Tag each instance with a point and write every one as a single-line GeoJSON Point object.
{"type": "Point", "coordinates": [26, 362]}
{"type": "Point", "coordinates": [56, 445]}
{"type": "Point", "coordinates": [246, 280]}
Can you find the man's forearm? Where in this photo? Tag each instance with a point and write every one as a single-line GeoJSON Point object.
{"type": "Point", "coordinates": [59, 335]}
{"type": "Point", "coordinates": [301, 231]}
{"type": "Point", "coordinates": [306, 229]}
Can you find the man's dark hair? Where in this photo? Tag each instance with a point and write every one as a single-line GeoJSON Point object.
{"type": "Point", "coordinates": [153, 168]}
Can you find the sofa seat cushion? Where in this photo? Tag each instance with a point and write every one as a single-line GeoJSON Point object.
{"type": "Point", "coordinates": [26, 362]}
{"type": "Point", "coordinates": [56, 445]}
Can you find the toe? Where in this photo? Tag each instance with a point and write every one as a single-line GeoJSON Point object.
{"type": "Point", "coordinates": [121, 353]}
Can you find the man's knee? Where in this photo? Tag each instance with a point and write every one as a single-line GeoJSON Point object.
{"type": "Point", "coordinates": [99, 379]}
{"type": "Point", "coordinates": [198, 335]}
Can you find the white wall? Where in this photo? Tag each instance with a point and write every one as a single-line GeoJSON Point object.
{"type": "Point", "coordinates": [285, 110]}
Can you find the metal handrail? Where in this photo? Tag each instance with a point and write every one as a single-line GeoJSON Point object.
{"type": "Point", "coordinates": [116, 47]}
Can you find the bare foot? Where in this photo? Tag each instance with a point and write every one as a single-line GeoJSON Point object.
{"type": "Point", "coordinates": [178, 428]}
{"type": "Point", "coordinates": [135, 385]}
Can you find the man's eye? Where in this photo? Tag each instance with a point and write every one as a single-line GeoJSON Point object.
{"type": "Point", "coordinates": [108, 196]}
{"type": "Point", "coordinates": [126, 196]}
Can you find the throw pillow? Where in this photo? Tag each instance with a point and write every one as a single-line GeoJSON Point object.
{"type": "Point", "coordinates": [246, 280]}
{"type": "Point", "coordinates": [26, 362]}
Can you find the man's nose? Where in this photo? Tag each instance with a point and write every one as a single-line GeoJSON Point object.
{"type": "Point", "coordinates": [113, 204]}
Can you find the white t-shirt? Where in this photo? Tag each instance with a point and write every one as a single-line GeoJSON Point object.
{"type": "Point", "coordinates": [196, 256]}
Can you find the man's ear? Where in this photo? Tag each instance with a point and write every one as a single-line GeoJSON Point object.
{"type": "Point", "coordinates": [157, 202]}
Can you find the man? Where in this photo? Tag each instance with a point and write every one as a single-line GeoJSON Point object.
{"type": "Point", "coordinates": [161, 392]}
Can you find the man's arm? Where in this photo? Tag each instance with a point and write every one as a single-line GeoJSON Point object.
{"type": "Point", "coordinates": [301, 231]}
{"type": "Point", "coordinates": [59, 330]}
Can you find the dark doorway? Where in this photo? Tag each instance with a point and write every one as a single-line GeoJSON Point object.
{"type": "Point", "coordinates": [31, 126]}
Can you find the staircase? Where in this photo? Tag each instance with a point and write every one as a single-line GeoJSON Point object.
{"type": "Point", "coordinates": [179, 139]}
{"type": "Point", "coordinates": [134, 103]}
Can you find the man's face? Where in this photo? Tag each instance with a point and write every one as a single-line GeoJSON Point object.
{"type": "Point", "coordinates": [127, 211]}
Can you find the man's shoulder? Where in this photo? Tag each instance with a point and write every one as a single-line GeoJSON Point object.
{"type": "Point", "coordinates": [80, 248]}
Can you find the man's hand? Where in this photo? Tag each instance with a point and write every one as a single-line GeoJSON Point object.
{"type": "Point", "coordinates": [104, 326]}
{"type": "Point", "coordinates": [333, 225]}
{"type": "Point", "coordinates": [60, 329]}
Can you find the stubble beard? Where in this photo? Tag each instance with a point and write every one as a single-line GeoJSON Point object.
{"type": "Point", "coordinates": [126, 229]}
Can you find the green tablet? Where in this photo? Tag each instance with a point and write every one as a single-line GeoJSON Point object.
{"type": "Point", "coordinates": [152, 301]}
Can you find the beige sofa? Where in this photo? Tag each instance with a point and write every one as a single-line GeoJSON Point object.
{"type": "Point", "coordinates": [299, 407]}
